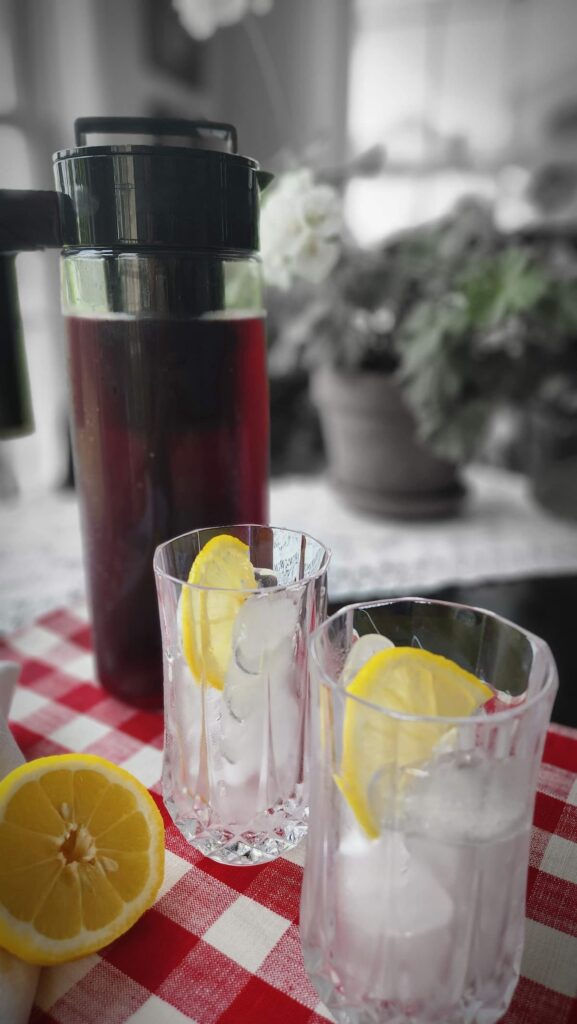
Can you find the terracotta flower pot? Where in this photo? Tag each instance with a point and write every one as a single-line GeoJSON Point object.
{"type": "Point", "coordinates": [375, 458]}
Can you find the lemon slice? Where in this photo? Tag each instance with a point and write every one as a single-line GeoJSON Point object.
{"type": "Point", "coordinates": [207, 616]}
{"type": "Point", "coordinates": [411, 681]}
{"type": "Point", "coordinates": [81, 856]}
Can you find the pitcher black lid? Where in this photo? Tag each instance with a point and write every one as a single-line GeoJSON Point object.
{"type": "Point", "coordinates": [126, 195]}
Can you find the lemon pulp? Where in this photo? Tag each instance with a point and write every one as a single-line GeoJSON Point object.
{"type": "Point", "coordinates": [207, 616]}
{"type": "Point", "coordinates": [81, 856]}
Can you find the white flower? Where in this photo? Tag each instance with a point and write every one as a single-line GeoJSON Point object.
{"type": "Point", "coordinates": [300, 228]}
{"type": "Point", "coordinates": [201, 18]}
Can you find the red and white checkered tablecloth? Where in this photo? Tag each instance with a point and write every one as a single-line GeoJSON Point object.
{"type": "Point", "coordinates": [221, 945]}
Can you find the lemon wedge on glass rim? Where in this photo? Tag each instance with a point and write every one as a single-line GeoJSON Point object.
{"type": "Point", "coordinates": [81, 856]}
{"type": "Point", "coordinates": [408, 681]}
{"type": "Point", "coordinates": [207, 616]}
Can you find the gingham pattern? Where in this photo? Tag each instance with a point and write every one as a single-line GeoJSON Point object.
{"type": "Point", "coordinates": [221, 945]}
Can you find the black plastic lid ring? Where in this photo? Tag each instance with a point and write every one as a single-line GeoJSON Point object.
{"type": "Point", "coordinates": [163, 194]}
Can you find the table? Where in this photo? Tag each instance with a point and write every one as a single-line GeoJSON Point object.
{"type": "Point", "coordinates": [500, 535]}
{"type": "Point", "coordinates": [221, 945]}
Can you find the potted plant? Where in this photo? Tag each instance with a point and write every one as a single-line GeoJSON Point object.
{"type": "Point", "coordinates": [504, 326]}
{"type": "Point", "coordinates": [415, 345]}
{"type": "Point", "coordinates": [552, 436]}
{"type": "Point", "coordinates": [381, 458]}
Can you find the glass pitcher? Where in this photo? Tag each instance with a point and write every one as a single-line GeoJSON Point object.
{"type": "Point", "coordinates": [161, 292]}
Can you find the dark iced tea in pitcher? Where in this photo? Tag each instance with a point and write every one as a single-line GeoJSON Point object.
{"type": "Point", "coordinates": [171, 434]}
{"type": "Point", "coordinates": [163, 297]}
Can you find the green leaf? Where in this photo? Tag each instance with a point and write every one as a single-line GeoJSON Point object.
{"type": "Point", "coordinates": [566, 295]}
{"type": "Point", "coordinates": [507, 284]}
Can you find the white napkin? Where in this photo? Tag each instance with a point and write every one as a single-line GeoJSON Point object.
{"type": "Point", "coordinates": [18, 981]}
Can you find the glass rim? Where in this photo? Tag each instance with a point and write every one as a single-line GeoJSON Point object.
{"type": "Point", "coordinates": [537, 644]}
{"type": "Point", "coordinates": [219, 530]}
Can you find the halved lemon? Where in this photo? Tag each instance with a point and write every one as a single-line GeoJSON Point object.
{"type": "Point", "coordinates": [407, 680]}
{"type": "Point", "coordinates": [207, 616]}
{"type": "Point", "coordinates": [81, 856]}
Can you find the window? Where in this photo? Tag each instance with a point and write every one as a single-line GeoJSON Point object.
{"type": "Point", "coordinates": [455, 90]}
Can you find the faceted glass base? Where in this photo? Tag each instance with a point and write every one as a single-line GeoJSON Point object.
{"type": "Point", "coordinates": [469, 1010]}
{"type": "Point", "coordinates": [244, 849]}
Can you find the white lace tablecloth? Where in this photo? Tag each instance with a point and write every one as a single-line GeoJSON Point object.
{"type": "Point", "coordinates": [500, 534]}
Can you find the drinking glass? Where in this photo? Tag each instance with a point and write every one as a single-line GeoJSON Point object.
{"type": "Point", "coordinates": [234, 770]}
{"type": "Point", "coordinates": [413, 898]}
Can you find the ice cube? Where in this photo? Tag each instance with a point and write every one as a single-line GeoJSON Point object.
{"type": "Point", "coordinates": [241, 718]}
{"type": "Point", "coordinates": [468, 797]}
{"type": "Point", "coordinates": [240, 747]}
{"type": "Point", "coordinates": [361, 651]}
{"type": "Point", "coordinates": [391, 914]}
{"type": "Point", "coordinates": [266, 578]}
{"type": "Point", "coordinates": [242, 694]}
{"type": "Point", "coordinates": [263, 621]}
{"type": "Point", "coordinates": [260, 728]}
{"type": "Point", "coordinates": [259, 709]}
